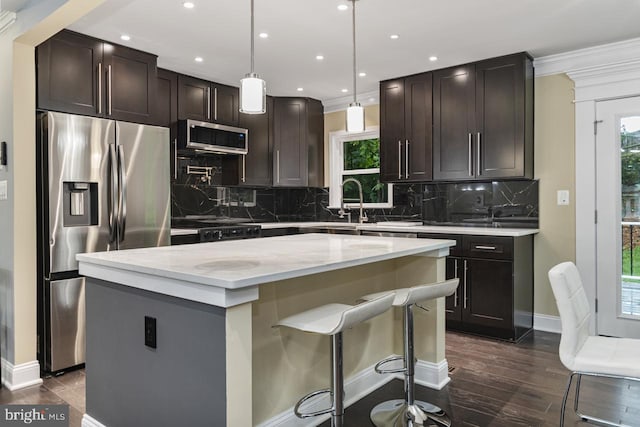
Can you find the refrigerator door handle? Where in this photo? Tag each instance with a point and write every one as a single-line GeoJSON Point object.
{"type": "Point", "coordinates": [112, 199]}
{"type": "Point", "coordinates": [122, 214]}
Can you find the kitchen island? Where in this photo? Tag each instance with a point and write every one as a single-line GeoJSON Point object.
{"type": "Point", "coordinates": [183, 335]}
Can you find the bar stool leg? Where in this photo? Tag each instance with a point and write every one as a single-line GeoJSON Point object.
{"type": "Point", "coordinates": [408, 412]}
{"type": "Point", "coordinates": [337, 381]}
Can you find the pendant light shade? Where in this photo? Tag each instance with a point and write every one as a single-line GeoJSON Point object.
{"type": "Point", "coordinates": [355, 112]}
{"type": "Point", "coordinates": [253, 90]}
{"type": "Point", "coordinates": [355, 118]}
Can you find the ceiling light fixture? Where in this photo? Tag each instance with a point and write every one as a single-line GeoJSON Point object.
{"type": "Point", "coordinates": [344, 90]}
{"type": "Point", "coordinates": [362, 74]}
{"type": "Point", "coordinates": [355, 112]}
{"type": "Point", "coordinates": [394, 36]}
{"type": "Point", "coordinates": [433, 58]}
{"type": "Point", "coordinates": [300, 89]}
{"type": "Point", "coordinates": [253, 90]}
{"type": "Point", "coordinates": [343, 7]}
{"type": "Point", "coordinates": [263, 35]}
{"type": "Point", "coordinates": [319, 57]}
{"type": "Point", "coordinates": [198, 59]}
{"type": "Point", "coordinates": [188, 5]}
{"type": "Point", "coordinates": [125, 37]}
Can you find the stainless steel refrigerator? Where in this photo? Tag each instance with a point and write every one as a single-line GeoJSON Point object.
{"type": "Point", "coordinates": [102, 185]}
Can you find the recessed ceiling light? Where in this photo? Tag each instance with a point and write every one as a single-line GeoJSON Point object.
{"type": "Point", "coordinates": [263, 35]}
{"type": "Point", "coordinates": [198, 59]}
{"type": "Point", "coordinates": [300, 89]}
{"type": "Point", "coordinates": [345, 90]}
{"type": "Point", "coordinates": [362, 74]}
{"type": "Point", "coordinates": [125, 37]}
{"type": "Point", "coordinates": [319, 57]}
{"type": "Point", "coordinates": [433, 58]}
{"type": "Point", "coordinates": [188, 5]}
{"type": "Point", "coordinates": [394, 36]}
{"type": "Point", "coordinates": [343, 7]}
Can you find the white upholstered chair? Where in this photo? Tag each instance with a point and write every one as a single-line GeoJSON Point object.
{"type": "Point", "coordinates": [582, 353]}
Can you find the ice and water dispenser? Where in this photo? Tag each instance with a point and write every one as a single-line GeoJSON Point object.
{"type": "Point", "coordinates": [80, 203]}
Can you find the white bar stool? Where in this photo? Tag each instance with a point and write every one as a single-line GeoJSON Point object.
{"type": "Point", "coordinates": [408, 411]}
{"type": "Point", "coordinates": [332, 319]}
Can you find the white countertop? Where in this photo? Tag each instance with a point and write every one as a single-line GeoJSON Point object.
{"type": "Point", "coordinates": [228, 273]}
{"type": "Point", "coordinates": [480, 231]}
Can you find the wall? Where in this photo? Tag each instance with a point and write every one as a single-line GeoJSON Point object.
{"type": "Point", "coordinates": [555, 168]}
{"type": "Point", "coordinates": [37, 21]}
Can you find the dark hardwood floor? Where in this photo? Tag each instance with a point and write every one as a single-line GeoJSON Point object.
{"type": "Point", "coordinates": [493, 383]}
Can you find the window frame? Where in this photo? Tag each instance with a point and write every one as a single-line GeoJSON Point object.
{"type": "Point", "coordinates": [337, 171]}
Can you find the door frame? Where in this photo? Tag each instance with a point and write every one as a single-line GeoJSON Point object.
{"type": "Point", "coordinates": [598, 83]}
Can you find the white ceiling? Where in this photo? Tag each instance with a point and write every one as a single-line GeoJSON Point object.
{"type": "Point", "coordinates": [456, 31]}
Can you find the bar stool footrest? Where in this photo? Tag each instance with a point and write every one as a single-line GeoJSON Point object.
{"type": "Point", "coordinates": [378, 368]}
{"type": "Point", "coordinates": [299, 414]}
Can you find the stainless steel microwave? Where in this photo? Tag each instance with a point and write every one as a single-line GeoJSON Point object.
{"type": "Point", "coordinates": [212, 137]}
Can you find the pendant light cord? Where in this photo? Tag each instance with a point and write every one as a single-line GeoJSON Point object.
{"type": "Point", "coordinates": [252, 41]}
{"type": "Point", "coordinates": [354, 49]}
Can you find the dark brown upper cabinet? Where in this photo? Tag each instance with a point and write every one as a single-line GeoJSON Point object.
{"type": "Point", "coordinates": [406, 129]}
{"type": "Point", "coordinates": [254, 168]}
{"type": "Point", "coordinates": [166, 112]}
{"type": "Point", "coordinates": [298, 142]}
{"type": "Point", "coordinates": [207, 101]}
{"type": "Point", "coordinates": [79, 74]}
{"type": "Point", "coordinates": [483, 120]}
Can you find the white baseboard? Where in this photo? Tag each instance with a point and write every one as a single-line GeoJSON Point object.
{"type": "Point", "coordinates": [544, 322]}
{"type": "Point", "coordinates": [89, 421]}
{"type": "Point", "coordinates": [434, 375]}
{"type": "Point", "coordinates": [15, 377]}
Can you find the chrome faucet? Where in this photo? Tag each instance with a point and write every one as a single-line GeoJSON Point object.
{"type": "Point", "coordinates": [363, 215]}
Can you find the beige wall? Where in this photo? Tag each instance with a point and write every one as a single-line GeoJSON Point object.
{"type": "Point", "coordinates": [337, 121]}
{"type": "Point", "coordinates": [555, 168]}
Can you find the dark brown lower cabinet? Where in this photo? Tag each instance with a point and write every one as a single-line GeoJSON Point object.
{"type": "Point", "coordinates": [495, 295]}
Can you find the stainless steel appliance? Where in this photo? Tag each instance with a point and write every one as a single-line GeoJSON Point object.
{"type": "Point", "coordinates": [212, 229]}
{"type": "Point", "coordinates": [102, 185]}
{"type": "Point", "coordinates": [212, 137]}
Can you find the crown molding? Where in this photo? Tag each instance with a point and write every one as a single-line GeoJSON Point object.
{"type": "Point", "coordinates": [6, 19]}
{"type": "Point", "coordinates": [583, 60]}
{"type": "Point", "coordinates": [341, 104]}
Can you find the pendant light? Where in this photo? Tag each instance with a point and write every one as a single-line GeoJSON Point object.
{"type": "Point", "coordinates": [355, 112]}
{"type": "Point", "coordinates": [253, 90]}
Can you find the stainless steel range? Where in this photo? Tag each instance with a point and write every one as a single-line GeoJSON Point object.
{"type": "Point", "coordinates": [199, 229]}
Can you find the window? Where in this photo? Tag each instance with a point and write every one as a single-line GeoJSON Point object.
{"type": "Point", "coordinates": [357, 156]}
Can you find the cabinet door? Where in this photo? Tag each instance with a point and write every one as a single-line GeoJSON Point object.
{"type": "Point", "coordinates": [489, 293]}
{"type": "Point", "coordinates": [68, 74]}
{"type": "Point", "coordinates": [453, 303]}
{"type": "Point", "coordinates": [500, 117]}
{"type": "Point", "coordinates": [225, 104]}
{"type": "Point", "coordinates": [166, 112]}
{"type": "Point", "coordinates": [290, 144]}
{"type": "Point", "coordinates": [392, 122]}
{"type": "Point", "coordinates": [131, 84]}
{"type": "Point", "coordinates": [194, 99]}
{"type": "Point", "coordinates": [453, 123]}
{"type": "Point", "coordinates": [418, 127]}
{"type": "Point", "coordinates": [255, 168]}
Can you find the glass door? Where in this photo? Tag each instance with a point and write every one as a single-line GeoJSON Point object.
{"type": "Point", "coordinates": [618, 217]}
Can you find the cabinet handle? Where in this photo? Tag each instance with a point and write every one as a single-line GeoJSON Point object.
{"type": "Point", "coordinates": [479, 170]}
{"type": "Point", "coordinates": [278, 166]}
{"type": "Point", "coordinates": [455, 276]}
{"type": "Point", "coordinates": [488, 248]}
{"type": "Point", "coordinates": [175, 159]}
{"type": "Point", "coordinates": [208, 103]}
{"type": "Point", "coordinates": [399, 159]}
{"type": "Point", "coordinates": [464, 289]}
{"type": "Point", "coordinates": [215, 103]}
{"type": "Point", "coordinates": [470, 154]}
{"type": "Point", "coordinates": [110, 85]}
{"type": "Point", "coordinates": [244, 168]}
{"type": "Point", "coordinates": [99, 87]}
{"type": "Point", "coordinates": [406, 160]}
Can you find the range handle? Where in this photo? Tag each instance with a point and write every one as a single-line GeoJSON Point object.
{"type": "Point", "coordinates": [122, 207]}
{"type": "Point", "coordinates": [112, 198]}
